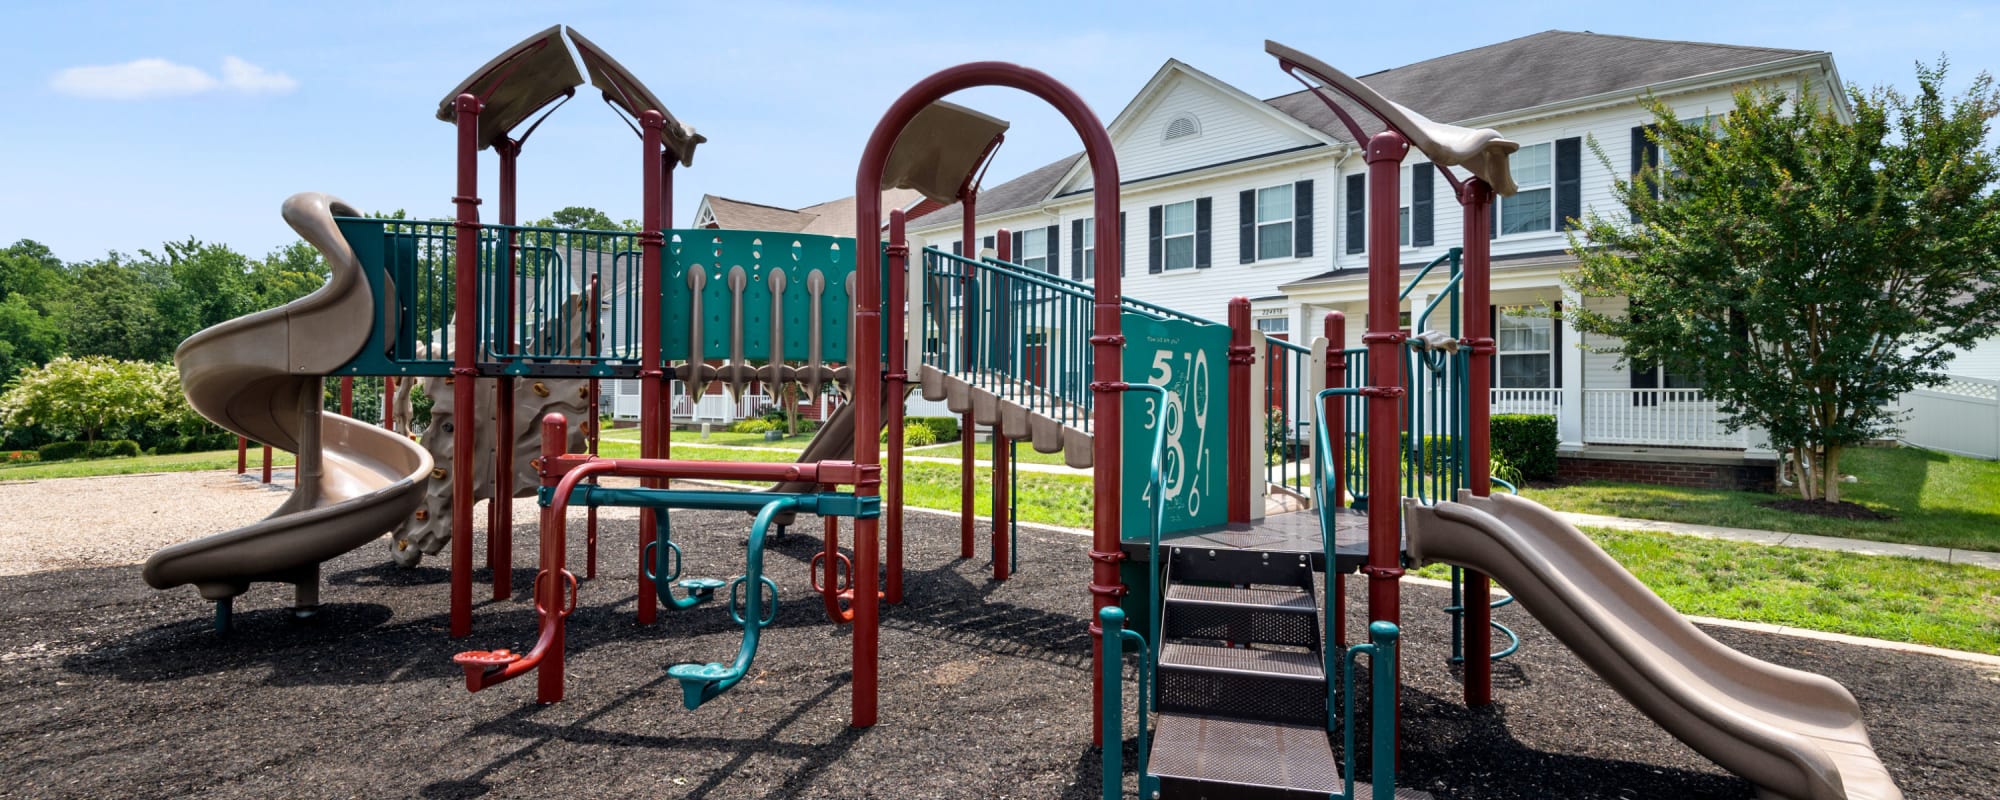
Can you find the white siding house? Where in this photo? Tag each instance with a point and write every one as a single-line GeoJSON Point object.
{"type": "Point", "coordinates": [1226, 195]}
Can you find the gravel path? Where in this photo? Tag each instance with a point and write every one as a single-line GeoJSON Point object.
{"type": "Point", "coordinates": [116, 690]}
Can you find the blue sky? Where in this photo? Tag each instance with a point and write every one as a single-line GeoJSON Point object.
{"type": "Point", "coordinates": [246, 103]}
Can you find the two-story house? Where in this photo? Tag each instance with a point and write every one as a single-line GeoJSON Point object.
{"type": "Point", "coordinates": [1228, 195]}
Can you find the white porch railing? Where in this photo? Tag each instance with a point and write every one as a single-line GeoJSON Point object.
{"type": "Point", "coordinates": [717, 407]}
{"type": "Point", "coordinates": [1670, 417]}
{"type": "Point", "coordinates": [1527, 401]}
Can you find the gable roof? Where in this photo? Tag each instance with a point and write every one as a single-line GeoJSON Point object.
{"type": "Point", "coordinates": [1531, 71]}
{"type": "Point", "coordinates": [831, 218]}
{"type": "Point", "coordinates": [1536, 70]}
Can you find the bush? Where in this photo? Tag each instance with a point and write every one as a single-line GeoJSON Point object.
{"type": "Point", "coordinates": [1530, 442]}
{"type": "Point", "coordinates": [943, 429]}
{"type": "Point", "coordinates": [63, 451]}
{"type": "Point", "coordinates": [1501, 468]}
{"type": "Point", "coordinates": [19, 457]}
{"type": "Point", "coordinates": [756, 425]}
{"type": "Point", "coordinates": [917, 434]}
{"type": "Point", "coordinates": [115, 448]}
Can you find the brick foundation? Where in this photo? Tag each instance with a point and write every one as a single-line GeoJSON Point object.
{"type": "Point", "coordinates": [1755, 477]}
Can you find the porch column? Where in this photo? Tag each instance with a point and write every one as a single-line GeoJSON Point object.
{"type": "Point", "coordinates": [1569, 418]}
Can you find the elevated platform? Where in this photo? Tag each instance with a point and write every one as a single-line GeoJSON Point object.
{"type": "Point", "coordinates": [1294, 533]}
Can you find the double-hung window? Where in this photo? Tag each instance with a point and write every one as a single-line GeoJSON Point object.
{"type": "Point", "coordinates": [1403, 213]}
{"type": "Point", "coordinates": [1086, 240]}
{"type": "Point", "coordinates": [1532, 208]}
{"type": "Point", "coordinates": [1274, 222]}
{"type": "Point", "coordinates": [1034, 252]}
{"type": "Point", "coordinates": [1526, 352]}
{"type": "Point", "coordinates": [1177, 235]}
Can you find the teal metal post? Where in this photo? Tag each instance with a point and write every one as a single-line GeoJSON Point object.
{"type": "Point", "coordinates": [1382, 726]}
{"type": "Point", "coordinates": [1112, 619]}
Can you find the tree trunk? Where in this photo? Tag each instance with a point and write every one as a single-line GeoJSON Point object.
{"type": "Point", "coordinates": [1802, 474]}
{"type": "Point", "coordinates": [1832, 493]}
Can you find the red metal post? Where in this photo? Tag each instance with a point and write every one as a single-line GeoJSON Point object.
{"type": "Point", "coordinates": [654, 427]}
{"type": "Point", "coordinates": [1384, 339]}
{"type": "Point", "coordinates": [347, 395]}
{"type": "Point", "coordinates": [550, 582]}
{"type": "Point", "coordinates": [242, 455]}
{"type": "Point", "coordinates": [1106, 386]}
{"type": "Point", "coordinates": [1241, 352]}
{"type": "Point", "coordinates": [389, 403]}
{"type": "Point", "coordinates": [1474, 200]}
{"type": "Point", "coordinates": [897, 380]}
{"type": "Point", "coordinates": [500, 509]}
{"type": "Point", "coordinates": [1003, 450]}
{"type": "Point", "coordinates": [464, 341]}
{"type": "Point", "coordinates": [593, 424]}
{"type": "Point", "coordinates": [267, 466]}
{"type": "Point", "coordinates": [966, 477]}
{"type": "Point", "coordinates": [1336, 435]}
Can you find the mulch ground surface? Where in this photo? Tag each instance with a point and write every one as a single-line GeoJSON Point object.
{"type": "Point", "coordinates": [112, 689]}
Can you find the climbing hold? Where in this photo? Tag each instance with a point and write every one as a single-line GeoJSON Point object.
{"type": "Point", "coordinates": [541, 389]}
{"type": "Point", "coordinates": [583, 391]}
{"type": "Point", "coordinates": [403, 544]}
{"type": "Point", "coordinates": [423, 514]}
{"type": "Point", "coordinates": [437, 473]}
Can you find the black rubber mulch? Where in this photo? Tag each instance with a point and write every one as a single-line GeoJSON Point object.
{"type": "Point", "coordinates": [114, 690]}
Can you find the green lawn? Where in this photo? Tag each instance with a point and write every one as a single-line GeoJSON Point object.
{"type": "Point", "coordinates": [983, 451]}
{"type": "Point", "coordinates": [179, 462]}
{"type": "Point", "coordinates": [1936, 499]}
{"type": "Point", "coordinates": [719, 436]}
{"type": "Point", "coordinates": [1955, 606]}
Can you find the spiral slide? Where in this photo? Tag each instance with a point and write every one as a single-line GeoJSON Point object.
{"type": "Point", "coordinates": [259, 376]}
{"type": "Point", "coordinates": [1794, 734]}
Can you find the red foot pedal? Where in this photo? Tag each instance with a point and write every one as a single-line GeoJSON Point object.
{"type": "Point", "coordinates": [485, 659]}
{"type": "Point", "coordinates": [848, 595]}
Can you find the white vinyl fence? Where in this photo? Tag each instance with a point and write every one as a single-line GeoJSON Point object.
{"type": "Point", "coordinates": [1960, 416]}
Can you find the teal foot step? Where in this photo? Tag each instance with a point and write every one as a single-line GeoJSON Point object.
{"type": "Point", "coordinates": [701, 589]}
{"type": "Point", "coordinates": [701, 683]}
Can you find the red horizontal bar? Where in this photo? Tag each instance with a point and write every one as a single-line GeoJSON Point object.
{"type": "Point", "coordinates": [838, 473]}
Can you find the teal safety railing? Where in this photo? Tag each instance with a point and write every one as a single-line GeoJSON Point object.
{"type": "Point", "coordinates": [1286, 415]}
{"type": "Point", "coordinates": [1111, 619]}
{"type": "Point", "coordinates": [410, 266]}
{"type": "Point", "coordinates": [1381, 652]}
{"type": "Point", "coordinates": [1353, 406]}
{"type": "Point", "coordinates": [1437, 449]}
{"type": "Point", "coordinates": [538, 308]}
{"type": "Point", "coordinates": [1017, 334]}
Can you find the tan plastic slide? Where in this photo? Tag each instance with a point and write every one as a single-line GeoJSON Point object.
{"type": "Point", "coordinates": [260, 377]}
{"type": "Point", "coordinates": [1793, 734]}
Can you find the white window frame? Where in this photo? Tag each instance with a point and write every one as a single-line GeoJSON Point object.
{"type": "Point", "coordinates": [1403, 220]}
{"type": "Point", "coordinates": [1089, 251]}
{"type": "Point", "coordinates": [1166, 238]}
{"type": "Point", "coordinates": [1290, 192]}
{"type": "Point", "coordinates": [1275, 324]}
{"type": "Point", "coordinates": [1525, 190]}
{"type": "Point", "coordinates": [1034, 240]}
{"type": "Point", "coordinates": [1535, 315]}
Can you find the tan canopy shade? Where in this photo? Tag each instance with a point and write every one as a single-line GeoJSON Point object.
{"type": "Point", "coordinates": [529, 76]}
{"type": "Point", "coordinates": [629, 94]}
{"type": "Point", "coordinates": [1482, 150]}
{"type": "Point", "coordinates": [940, 149]}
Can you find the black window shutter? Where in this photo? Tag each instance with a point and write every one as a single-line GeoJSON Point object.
{"type": "Point", "coordinates": [987, 244]}
{"type": "Point", "coordinates": [1014, 250]}
{"type": "Point", "coordinates": [1569, 182]}
{"type": "Point", "coordinates": [1644, 154]}
{"type": "Point", "coordinates": [1423, 229]}
{"type": "Point", "coordinates": [1201, 236]}
{"type": "Point", "coordinates": [1121, 244]}
{"type": "Point", "coordinates": [1556, 346]}
{"type": "Point", "coordinates": [1357, 205]}
{"type": "Point", "coordinates": [958, 248]}
{"type": "Point", "coordinates": [1153, 239]}
{"type": "Point", "coordinates": [1055, 249]}
{"type": "Point", "coordinates": [1246, 226]}
{"type": "Point", "coordinates": [1302, 219]}
{"type": "Point", "coordinates": [1493, 219]}
{"type": "Point", "coordinates": [1076, 264]}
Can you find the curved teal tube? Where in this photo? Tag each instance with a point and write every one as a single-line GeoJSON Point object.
{"type": "Point", "coordinates": [701, 683]}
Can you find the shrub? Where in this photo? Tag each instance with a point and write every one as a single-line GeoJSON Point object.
{"type": "Point", "coordinates": [755, 425]}
{"type": "Point", "coordinates": [917, 434]}
{"type": "Point", "coordinates": [116, 448]}
{"type": "Point", "coordinates": [20, 456]}
{"type": "Point", "coordinates": [1502, 468]}
{"type": "Point", "coordinates": [63, 451]}
{"type": "Point", "coordinates": [773, 414]}
{"type": "Point", "coordinates": [1530, 442]}
{"type": "Point", "coordinates": [943, 429]}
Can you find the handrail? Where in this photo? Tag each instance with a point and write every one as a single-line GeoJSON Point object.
{"type": "Point", "coordinates": [1017, 271]}
{"type": "Point", "coordinates": [1450, 286]}
{"type": "Point", "coordinates": [1381, 652]}
{"type": "Point", "coordinates": [1155, 489]}
{"type": "Point", "coordinates": [1451, 254]}
{"type": "Point", "coordinates": [1322, 474]}
{"type": "Point", "coordinates": [1111, 620]}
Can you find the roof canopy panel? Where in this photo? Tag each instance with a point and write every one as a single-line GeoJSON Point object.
{"type": "Point", "coordinates": [1482, 150]}
{"type": "Point", "coordinates": [529, 76]}
{"type": "Point", "coordinates": [938, 153]}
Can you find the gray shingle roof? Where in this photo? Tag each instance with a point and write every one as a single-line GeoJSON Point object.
{"type": "Point", "coordinates": [1534, 70]}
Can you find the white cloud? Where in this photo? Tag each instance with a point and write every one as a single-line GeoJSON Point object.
{"type": "Point", "coordinates": [150, 78]}
{"type": "Point", "coordinates": [249, 78]}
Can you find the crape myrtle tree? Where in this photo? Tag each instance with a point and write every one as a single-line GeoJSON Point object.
{"type": "Point", "coordinates": [1807, 269]}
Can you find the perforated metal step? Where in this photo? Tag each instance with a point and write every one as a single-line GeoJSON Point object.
{"type": "Point", "coordinates": [1250, 684]}
{"type": "Point", "coordinates": [1216, 757]}
{"type": "Point", "coordinates": [1273, 616]}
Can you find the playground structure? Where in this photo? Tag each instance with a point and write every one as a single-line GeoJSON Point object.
{"type": "Point", "coordinates": [1239, 650]}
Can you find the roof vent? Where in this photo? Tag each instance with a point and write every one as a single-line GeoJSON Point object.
{"type": "Point", "coordinates": [1183, 127]}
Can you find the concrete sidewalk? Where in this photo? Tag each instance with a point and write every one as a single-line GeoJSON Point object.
{"type": "Point", "coordinates": [1783, 539]}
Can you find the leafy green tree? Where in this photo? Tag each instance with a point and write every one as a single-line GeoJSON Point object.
{"type": "Point", "coordinates": [286, 274]}
{"type": "Point", "coordinates": [1808, 269]}
{"type": "Point", "coordinates": [33, 304]}
{"type": "Point", "coordinates": [83, 396]}
{"type": "Point", "coordinates": [208, 284]}
{"type": "Point", "coordinates": [584, 218]}
{"type": "Point", "coordinates": [112, 313]}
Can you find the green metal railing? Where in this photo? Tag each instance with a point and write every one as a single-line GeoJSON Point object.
{"type": "Point", "coordinates": [535, 293]}
{"type": "Point", "coordinates": [1017, 334]}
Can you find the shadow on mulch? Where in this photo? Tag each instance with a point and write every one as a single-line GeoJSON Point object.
{"type": "Point", "coordinates": [117, 690]}
{"type": "Point", "coordinates": [1841, 509]}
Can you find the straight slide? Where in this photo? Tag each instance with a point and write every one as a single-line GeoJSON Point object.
{"type": "Point", "coordinates": [260, 377]}
{"type": "Point", "coordinates": [1795, 735]}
